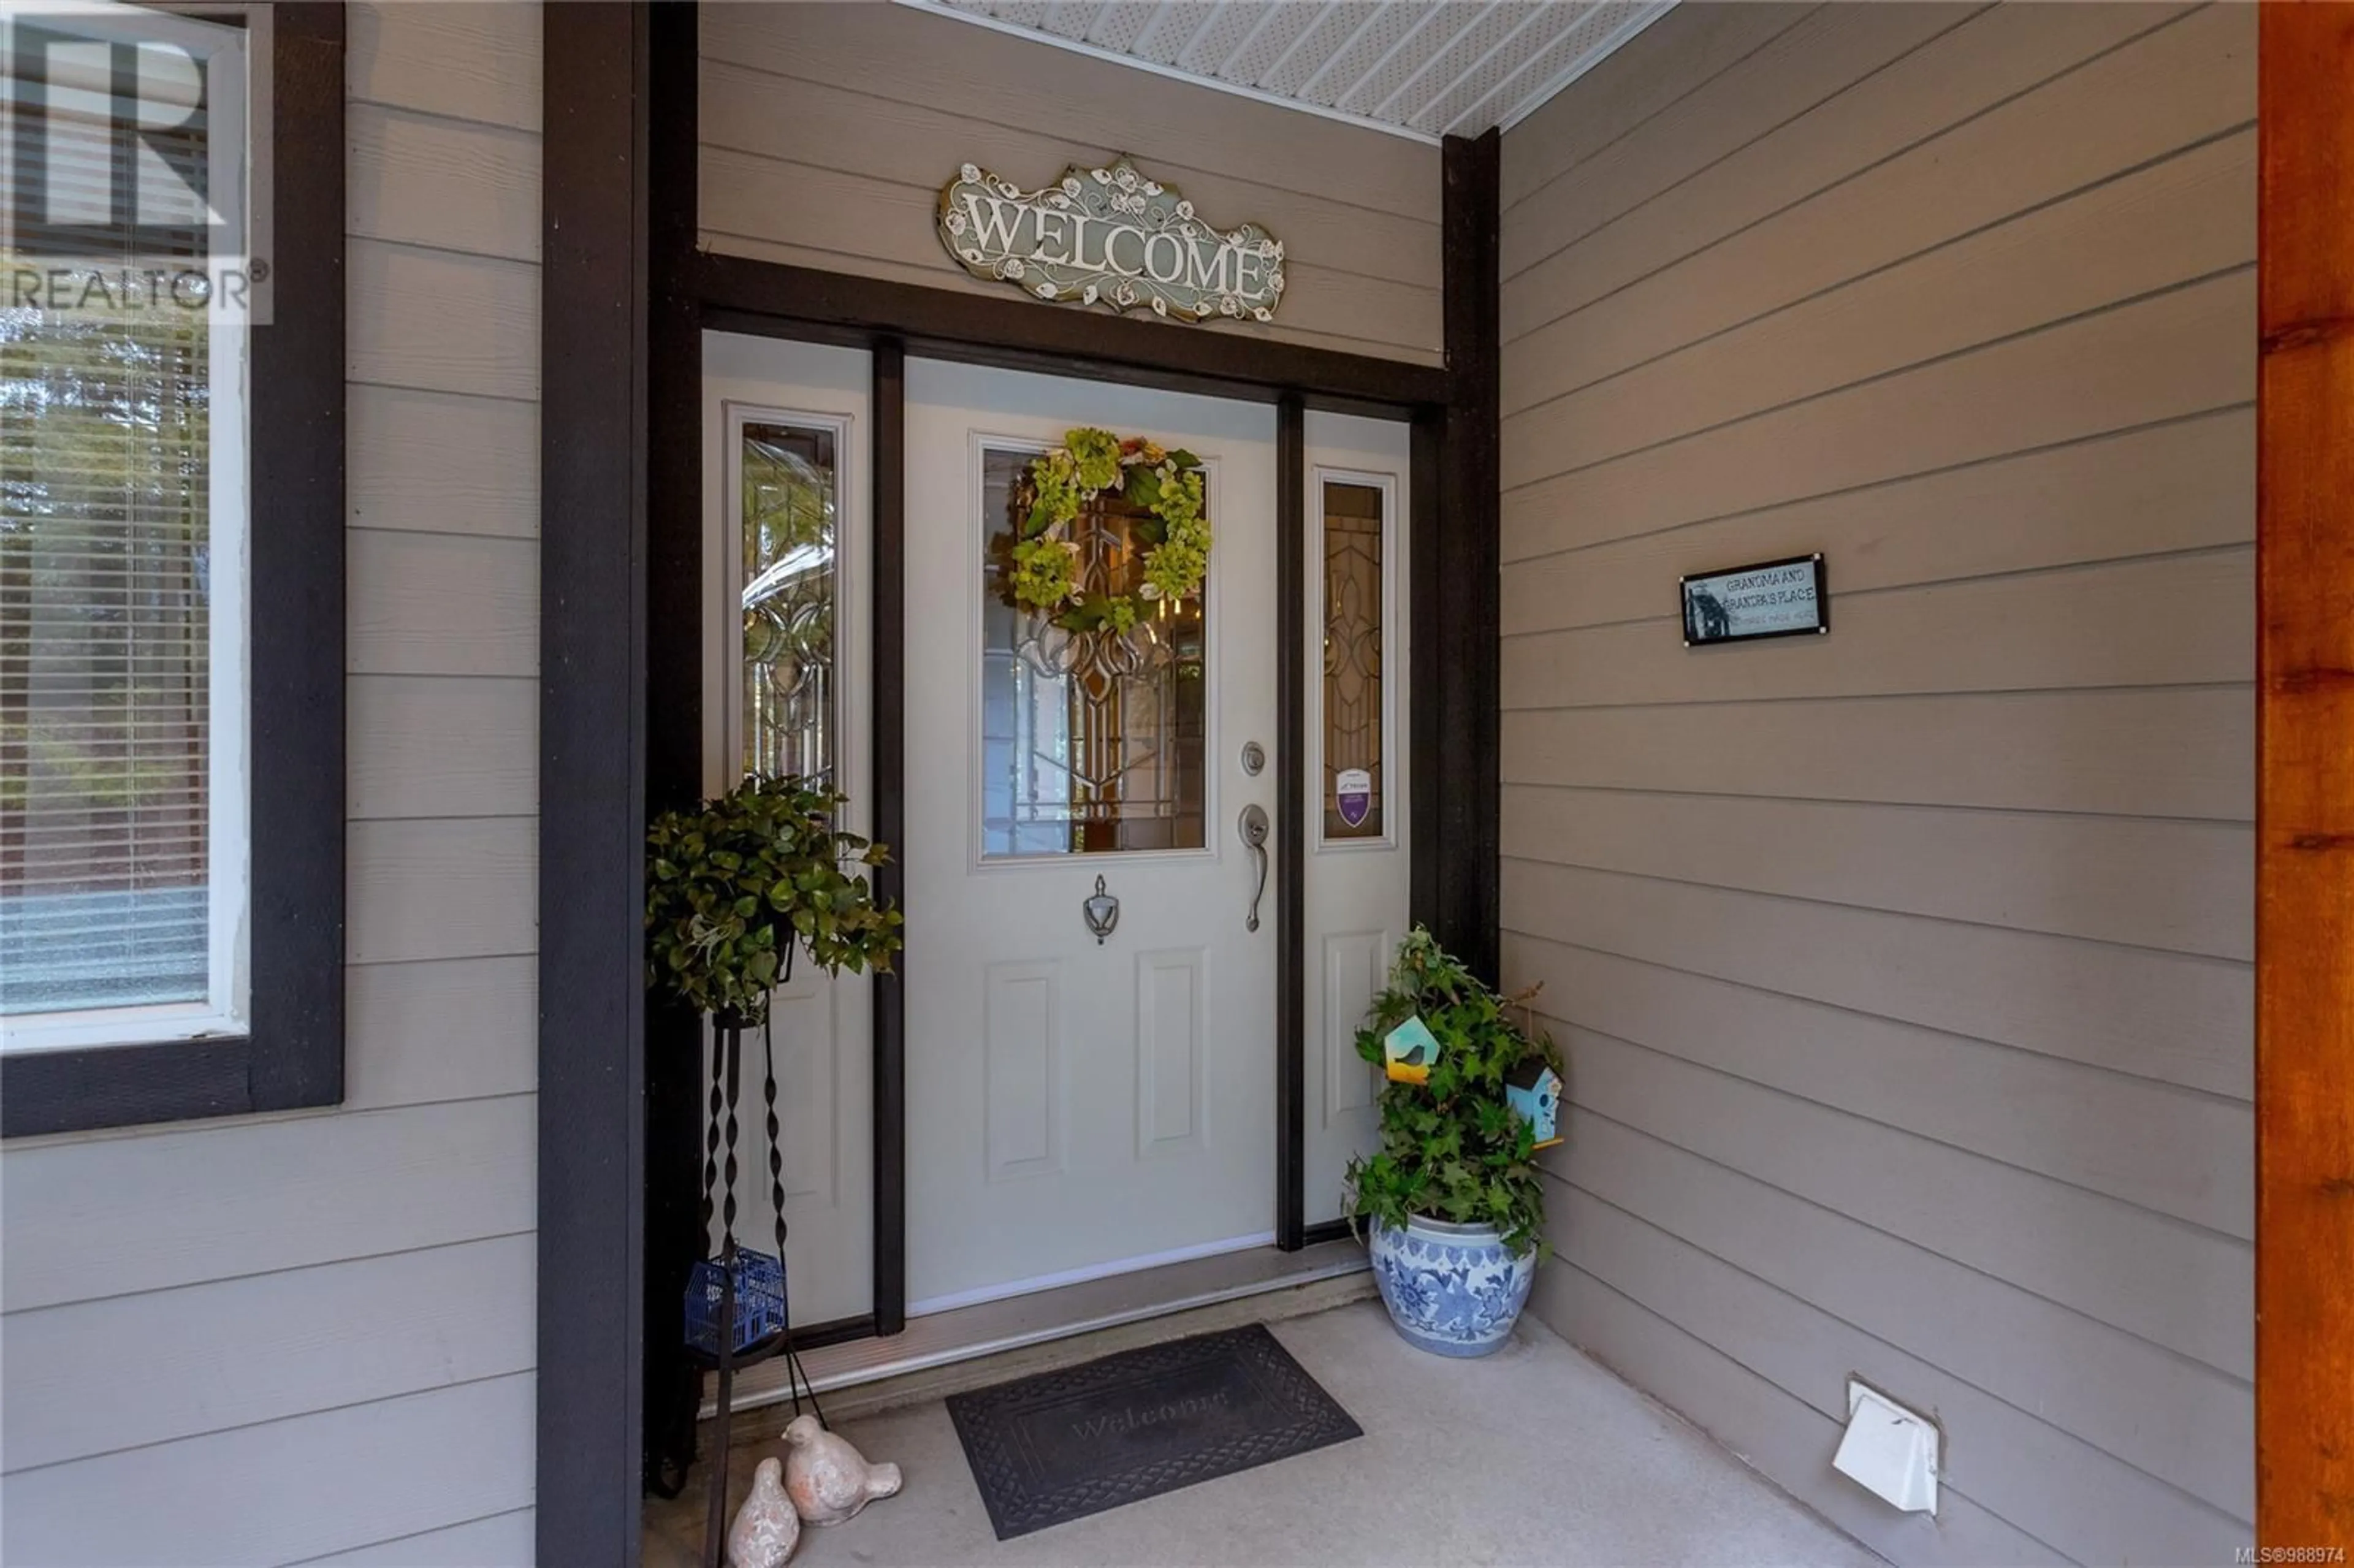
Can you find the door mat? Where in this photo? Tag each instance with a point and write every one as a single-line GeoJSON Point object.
{"type": "Point", "coordinates": [1062, 1445]}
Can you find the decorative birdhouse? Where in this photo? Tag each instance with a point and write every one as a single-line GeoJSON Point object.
{"type": "Point", "coordinates": [1533, 1091]}
{"type": "Point", "coordinates": [1409, 1052]}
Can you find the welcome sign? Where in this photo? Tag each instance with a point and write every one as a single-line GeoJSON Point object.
{"type": "Point", "coordinates": [1113, 238]}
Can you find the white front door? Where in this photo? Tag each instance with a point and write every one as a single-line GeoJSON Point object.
{"type": "Point", "coordinates": [1080, 1104]}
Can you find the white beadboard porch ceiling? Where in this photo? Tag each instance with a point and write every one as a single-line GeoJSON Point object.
{"type": "Point", "coordinates": [1423, 68]}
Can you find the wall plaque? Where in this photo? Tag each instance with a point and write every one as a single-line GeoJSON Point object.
{"type": "Point", "coordinates": [1111, 236]}
{"type": "Point", "coordinates": [1772, 599]}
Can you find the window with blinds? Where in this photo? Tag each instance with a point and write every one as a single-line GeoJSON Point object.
{"type": "Point", "coordinates": [122, 553]}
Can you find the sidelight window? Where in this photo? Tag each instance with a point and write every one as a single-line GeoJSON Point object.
{"type": "Point", "coordinates": [790, 490]}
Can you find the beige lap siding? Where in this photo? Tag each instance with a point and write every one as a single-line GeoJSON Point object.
{"type": "Point", "coordinates": [310, 1338]}
{"type": "Point", "coordinates": [1905, 971]}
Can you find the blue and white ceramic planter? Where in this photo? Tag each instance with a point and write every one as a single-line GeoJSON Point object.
{"type": "Point", "coordinates": [1451, 1290]}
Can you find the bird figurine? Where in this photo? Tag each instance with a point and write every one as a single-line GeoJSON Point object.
{"type": "Point", "coordinates": [828, 1479]}
{"type": "Point", "coordinates": [767, 1527]}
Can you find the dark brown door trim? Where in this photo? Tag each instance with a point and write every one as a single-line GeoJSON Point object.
{"type": "Point", "coordinates": [743, 294]}
{"type": "Point", "coordinates": [674, 762]}
{"type": "Point", "coordinates": [888, 667]}
{"type": "Point", "coordinates": [1290, 823]}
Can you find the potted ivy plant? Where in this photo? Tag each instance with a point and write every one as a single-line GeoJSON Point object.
{"type": "Point", "coordinates": [735, 888]}
{"type": "Point", "coordinates": [1451, 1204]}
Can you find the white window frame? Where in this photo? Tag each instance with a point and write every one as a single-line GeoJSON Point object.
{"type": "Point", "coordinates": [224, 1010]}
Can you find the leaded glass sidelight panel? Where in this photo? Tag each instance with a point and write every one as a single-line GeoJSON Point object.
{"type": "Point", "coordinates": [1091, 741]}
{"type": "Point", "coordinates": [790, 482]}
{"type": "Point", "coordinates": [1353, 598]}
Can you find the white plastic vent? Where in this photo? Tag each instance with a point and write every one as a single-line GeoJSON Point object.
{"type": "Point", "coordinates": [1891, 1452]}
{"type": "Point", "coordinates": [1419, 68]}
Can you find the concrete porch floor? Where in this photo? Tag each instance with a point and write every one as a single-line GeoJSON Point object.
{"type": "Point", "coordinates": [1533, 1456]}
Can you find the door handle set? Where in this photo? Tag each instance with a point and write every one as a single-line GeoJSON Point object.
{"type": "Point", "coordinates": [1102, 909]}
{"type": "Point", "coordinates": [1253, 829]}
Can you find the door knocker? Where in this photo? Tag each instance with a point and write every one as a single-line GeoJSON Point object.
{"type": "Point", "coordinates": [1102, 911]}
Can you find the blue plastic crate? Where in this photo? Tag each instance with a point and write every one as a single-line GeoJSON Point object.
{"type": "Point", "coordinates": [760, 1300]}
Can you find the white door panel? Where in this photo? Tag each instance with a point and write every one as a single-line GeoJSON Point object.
{"type": "Point", "coordinates": [766, 403]}
{"type": "Point", "coordinates": [1075, 1106]}
{"type": "Point", "coordinates": [1357, 886]}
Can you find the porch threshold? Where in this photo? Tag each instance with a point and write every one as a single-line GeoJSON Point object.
{"type": "Point", "coordinates": [1015, 1322]}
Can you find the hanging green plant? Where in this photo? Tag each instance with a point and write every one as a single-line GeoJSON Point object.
{"type": "Point", "coordinates": [1038, 559]}
{"type": "Point", "coordinates": [734, 884]}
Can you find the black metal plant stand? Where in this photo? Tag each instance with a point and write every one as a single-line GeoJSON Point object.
{"type": "Point", "coordinates": [726, 1073]}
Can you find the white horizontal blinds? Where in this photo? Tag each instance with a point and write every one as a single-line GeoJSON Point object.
{"type": "Point", "coordinates": [106, 546]}
{"type": "Point", "coordinates": [76, 173]}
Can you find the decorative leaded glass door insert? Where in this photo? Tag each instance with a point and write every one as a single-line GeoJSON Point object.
{"type": "Point", "coordinates": [1091, 741]}
{"type": "Point", "coordinates": [1354, 514]}
{"type": "Point", "coordinates": [790, 501]}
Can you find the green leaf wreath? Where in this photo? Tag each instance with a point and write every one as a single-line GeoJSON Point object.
{"type": "Point", "coordinates": [1039, 558]}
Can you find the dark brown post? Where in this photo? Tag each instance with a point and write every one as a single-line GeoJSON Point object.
{"type": "Point", "coordinates": [1465, 598]}
{"type": "Point", "coordinates": [592, 820]}
{"type": "Point", "coordinates": [2305, 808]}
